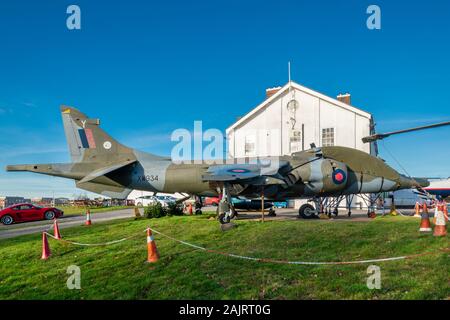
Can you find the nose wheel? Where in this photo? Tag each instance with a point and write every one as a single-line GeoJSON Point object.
{"type": "Point", "coordinates": [225, 209]}
{"type": "Point", "coordinates": [307, 211]}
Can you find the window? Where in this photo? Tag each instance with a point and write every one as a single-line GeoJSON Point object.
{"type": "Point", "coordinates": [328, 137]}
{"type": "Point", "coordinates": [250, 145]}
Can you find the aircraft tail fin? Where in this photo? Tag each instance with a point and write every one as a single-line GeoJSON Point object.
{"type": "Point", "coordinates": [88, 142]}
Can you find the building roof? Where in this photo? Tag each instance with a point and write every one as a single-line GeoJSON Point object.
{"type": "Point", "coordinates": [299, 87]}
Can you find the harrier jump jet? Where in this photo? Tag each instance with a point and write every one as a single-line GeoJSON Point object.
{"type": "Point", "coordinates": [102, 165]}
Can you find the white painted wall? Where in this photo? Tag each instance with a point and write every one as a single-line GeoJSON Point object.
{"type": "Point", "coordinates": [271, 126]}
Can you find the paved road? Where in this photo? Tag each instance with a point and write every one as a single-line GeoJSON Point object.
{"type": "Point", "coordinates": [65, 222]}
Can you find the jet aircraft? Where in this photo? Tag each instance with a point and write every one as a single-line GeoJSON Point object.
{"type": "Point", "coordinates": [102, 165]}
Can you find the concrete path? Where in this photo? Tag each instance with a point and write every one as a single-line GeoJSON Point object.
{"type": "Point", "coordinates": [19, 229]}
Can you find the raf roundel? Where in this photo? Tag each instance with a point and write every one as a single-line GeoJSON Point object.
{"type": "Point", "coordinates": [107, 145]}
{"type": "Point", "coordinates": [339, 176]}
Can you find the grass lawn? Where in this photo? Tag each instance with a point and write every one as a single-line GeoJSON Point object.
{"type": "Point", "coordinates": [73, 211]}
{"type": "Point", "coordinates": [119, 271]}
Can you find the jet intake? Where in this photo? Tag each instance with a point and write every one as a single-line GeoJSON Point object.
{"type": "Point", "coordinates": [335, 176]}
{"type": "Point", "coordinates": [321, 175]}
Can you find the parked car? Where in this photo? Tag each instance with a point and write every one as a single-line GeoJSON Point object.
{"type": "Point", "coordinates": [28, 212]}
{"type": "Point", "coordinates": [145, 201]}
{"type": "Point", "coordinates": [246, 204]}
{"type": "Point", "coordinates": [280, 204]}
{"type": "Point", "coordinates": [240, 204]}
{"type": "Point", "coordinates": [211, 201]}
{"type": "Point", "coordinates": [165, 200]}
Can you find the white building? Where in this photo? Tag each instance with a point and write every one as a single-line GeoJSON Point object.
{"type": "Point", "coordinates": [279, 126]}
{"type": "Point", "coordinates": [292, 118]}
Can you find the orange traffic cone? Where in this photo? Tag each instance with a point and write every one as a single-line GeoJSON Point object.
{"type": "Point", "coordinates": [45, 247]}
{"type": "Point", "coordinates": [425, 225]}
{"type": "Point", "coordinates": [190, 209]}
{"type": "Point", "coordinates": [56, 232]}
{"type": "Point", "coordinates": [417, 210]}
{"type": "Point", "coordinates": [424, 208]}
{"type": "Point", "coordinates": [88, 217]}
{"type": "Point", "coordinates": [152, 251]}
{"type": "Point", "coordinates": [440, 229]}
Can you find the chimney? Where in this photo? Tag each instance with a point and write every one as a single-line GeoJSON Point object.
{"type": "Point", "coordinates": [271, 91]}
{"type": "Point", "coordinates": [345, 98]}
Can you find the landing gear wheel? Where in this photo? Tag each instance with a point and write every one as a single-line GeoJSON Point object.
{"type": "Point", "coordinates": [307, 211]}
{"type": "Point", "coordinates": [223, 218]}
{"type": "Point", "coordinates": [7, 220]}
{"type": "Point", "coordinates": [49, 215]}
{"type": "Point", "coordinates": [349, 213]}
{"type": "Point", "coordinates": [198, 211]}
{"type": "Point", "coordinates": [335, 212]}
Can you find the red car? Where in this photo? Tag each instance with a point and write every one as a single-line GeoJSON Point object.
{"type": "Point", "coordinates": [211, 201]}
{"type": "Point", "coordinates": [28, 212]}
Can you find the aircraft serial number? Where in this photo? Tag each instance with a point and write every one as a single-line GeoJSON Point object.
{"type": "Point", "coordinates": [148, 178]}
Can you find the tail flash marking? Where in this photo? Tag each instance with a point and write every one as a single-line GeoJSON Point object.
{"type": "Point", "coordinates": [87, 138]}
{"type": "Point", "coordinates": [90, 138]}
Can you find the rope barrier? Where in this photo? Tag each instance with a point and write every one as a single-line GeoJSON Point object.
{"type": "Point", "coordinates": [295, 262]}
{"type": "Point", "coordinates": [92, 244]}
{"type": "Point", "coordinates": [266, 260]}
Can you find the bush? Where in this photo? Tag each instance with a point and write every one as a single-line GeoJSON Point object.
{"type": "Point", "coordinates": [155, 211]}
{"type": "Point", "coordinates": [174, 209]}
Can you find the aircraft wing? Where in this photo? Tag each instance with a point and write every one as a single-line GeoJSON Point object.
{"type": "Point", "coordinates": [244, 172]}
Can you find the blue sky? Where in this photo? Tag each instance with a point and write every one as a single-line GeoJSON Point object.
{"type": "Point", "coordinates": [148, 67]}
